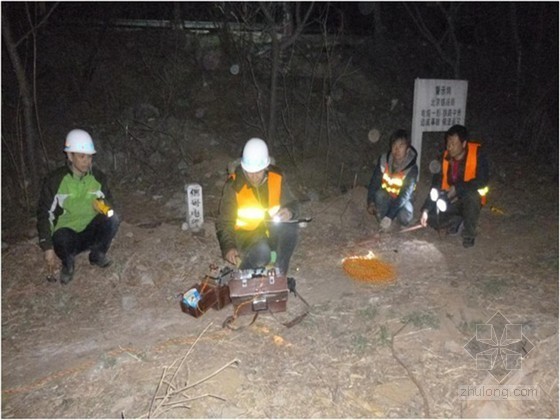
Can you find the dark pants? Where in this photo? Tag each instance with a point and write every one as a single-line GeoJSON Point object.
{"type": "Point", "coordinates": [466, 209]}
{"type": "Point", "coordinates": [256, 246]}
{"type": "Point", "coordinates": [382, 202]}
{"type": "Point", "coordinates": [96, 237]}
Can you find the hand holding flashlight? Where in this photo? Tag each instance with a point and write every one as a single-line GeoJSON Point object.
{"type": "Point", "coordinates": [283, 215]}
{"type": "Point", "coordinates": [102, 207]}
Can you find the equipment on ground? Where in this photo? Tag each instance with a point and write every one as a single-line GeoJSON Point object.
{"type": "Point", "coordinates": [79, 141]}
{"type": "Point", "coordinates": [258, 290]}
{"type": "Point", "coordinates": [251, 291]}
{"type": "Point", "coordinates": [368, 268]}
{"type": "Point", "coordinates": [211, 292]}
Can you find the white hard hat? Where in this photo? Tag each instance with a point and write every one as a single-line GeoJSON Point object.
{"type": "Point", "coordinates": [255, 156]}
{"type": "Point", "coordinates": [79, 141]}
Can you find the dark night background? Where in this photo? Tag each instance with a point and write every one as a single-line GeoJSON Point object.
{"type": "Point", "coordinates": [168, 105]}
{"type": "Point", "coordinates": [83, 71]}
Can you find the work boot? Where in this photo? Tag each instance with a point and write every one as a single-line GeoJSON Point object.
{"type": "Point", "coordinates": [99, 259]}
{"type": "Point", "coordinates": [67, 272]}
{"type": "Point", "coordinates": [468, 242]}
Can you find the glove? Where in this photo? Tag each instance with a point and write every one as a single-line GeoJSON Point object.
{"type": "Point", "coordinates": [385, 224]}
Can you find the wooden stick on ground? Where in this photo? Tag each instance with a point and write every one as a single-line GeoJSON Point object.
{"type": "Point", "coordinates": [168, 393]}
{"type": "Point", "coordinates": [410, 229]}
{"type": "Point", "coordinates": [410, 375]}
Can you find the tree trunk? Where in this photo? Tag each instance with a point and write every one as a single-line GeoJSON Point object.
{"type": "Point", "coordinates": [277, 49]}
{"type": "Point", "coordinates": [30, 132]}
{"type": "Point", "coordinates": [177, 17]}
{"type": "Point", "coordinates": [273, 89]}
{"type": "Point", "coordinates": [379, 28]}
{"type": "Point", "coordinates": [518, 52]}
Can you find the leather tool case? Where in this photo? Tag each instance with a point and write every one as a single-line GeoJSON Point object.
{"type": "Point", "coordinates": [210, 295]}
{"type": "Point", "coordinates": [255, 291]}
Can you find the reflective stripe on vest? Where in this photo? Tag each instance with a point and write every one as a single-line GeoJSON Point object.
{"type": "Point", "coordinates": [470, 170]}
{"type": "Point", "coordinates": [392, 183]}
{"type": "Point", "coordinates": [250, 212]}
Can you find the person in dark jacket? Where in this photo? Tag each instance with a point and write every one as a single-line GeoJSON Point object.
{"type": "Point", "coordinates": [74, 212]}
{"type": "Point", "coordinates": [392, 185]}
{"type": "Point", "coordinates": [253, 226]}
{"type": "Point", "coordinates": [459, 190]}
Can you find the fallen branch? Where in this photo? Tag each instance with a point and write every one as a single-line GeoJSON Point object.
{"type": "Point", "coordinates": [410, 229]}
{"type": "Point", "coordinates": [162, 403]}
{"type": "Point", "coordinates": [410, 374]}
{"type": "Point", "coordinates": [155, 394]}
{"type": "Point", "coordinates": [233, 362]}
{"type": "Point", "coordinates": [169, 394]}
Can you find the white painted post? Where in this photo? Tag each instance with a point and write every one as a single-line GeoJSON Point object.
{"type": "Point", "coordinates": [195, 210]}
{"type": "Point", "coordinates": [438, 105]}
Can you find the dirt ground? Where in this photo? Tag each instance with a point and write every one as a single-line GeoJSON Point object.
{"type": "Point", "coordinates": [114, 342]}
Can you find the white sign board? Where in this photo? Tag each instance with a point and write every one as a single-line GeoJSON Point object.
{"type": "Point", "coordinates": [438, 105]}
{"type": "Point", "coordinates": [195, 211]}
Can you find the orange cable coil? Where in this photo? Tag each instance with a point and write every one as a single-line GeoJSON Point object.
{"type": "Point", "coordinates": [368, 269]}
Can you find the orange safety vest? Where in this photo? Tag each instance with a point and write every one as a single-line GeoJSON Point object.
{"type": "Point", "coordinates": [470, 170]}
{"type": "Point", "coordinates": [392, 183]}
{"type": "Point", "coordinates": [250, 212]}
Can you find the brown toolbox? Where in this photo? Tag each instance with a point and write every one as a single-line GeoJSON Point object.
{"type": "Point", "coordinates": [210, 296]}
{"type": "Point", "coordinates": [250, 293]}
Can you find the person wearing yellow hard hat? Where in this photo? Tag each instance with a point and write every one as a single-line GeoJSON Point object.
{"type": "Point", "coordinates": [256, 208]}
{"type": "Point", "coordinates": [75, 210]}
{"type": "Point", "coordinates": [459, 189]}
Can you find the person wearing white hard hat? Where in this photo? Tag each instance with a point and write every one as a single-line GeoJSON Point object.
{"type": "Point", "coordinates": [253, 226]}
{"type": "Point", "coordinates": [75, 210]}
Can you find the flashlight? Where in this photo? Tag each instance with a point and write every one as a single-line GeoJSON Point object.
{"type": "Point", "coordinates": [104, 208]}
{"type": "Point", "coordinates": [440, 197]}
{"type": "Point", "coordinates": [434, 194]}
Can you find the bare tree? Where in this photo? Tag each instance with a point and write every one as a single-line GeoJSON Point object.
{"type": "Point", "coordinates": [446, 44]}
{"type": "Point", "coordinates": [518, 51]}
{"type": "Point", "coordinates": [291, 24]}
{"type": "Point", "coordinates": [379, 27]}
{"type": "Point", "coordinates": [31, 138]}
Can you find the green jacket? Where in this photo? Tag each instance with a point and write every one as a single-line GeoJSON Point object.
{"type": "Point", "coordinates": [225, 225]}
{"type": "Point", "coordinates": [66, 201]}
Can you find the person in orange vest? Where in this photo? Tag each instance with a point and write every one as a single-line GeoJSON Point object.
{"type": "Point", "coordinates": [253, 225]}
{"type": "Point", "coordinates": [392, 185]}
{"type": "Point", "coordinates": [459, 190]}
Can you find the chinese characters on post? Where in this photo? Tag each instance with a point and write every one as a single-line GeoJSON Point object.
{"type": "Point", "coordinates": [195, 211]}
{"type": "Point", "coordinates": [438, 105]}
